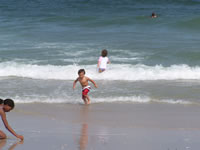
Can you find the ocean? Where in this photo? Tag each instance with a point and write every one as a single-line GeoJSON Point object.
{"type": "Point", "coordinates": [43, 44]}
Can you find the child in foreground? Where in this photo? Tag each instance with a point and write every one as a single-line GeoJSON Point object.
{"type": "Point", "coordinates": [85, 86]}
{"type": "Point", "coordinates": [6, 106]}
{"type": "Point", "coordinates": [103, 61]}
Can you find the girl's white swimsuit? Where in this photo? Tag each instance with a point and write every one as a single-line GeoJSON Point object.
{"type": "Point", "coordinates": [103, 62]}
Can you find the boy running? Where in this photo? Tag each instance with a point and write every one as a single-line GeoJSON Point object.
{"type": "Point", "coordinates": [85, 86]}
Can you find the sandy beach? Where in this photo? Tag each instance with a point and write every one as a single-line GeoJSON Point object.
{"type": "Point", "coordinates": [102, 126]}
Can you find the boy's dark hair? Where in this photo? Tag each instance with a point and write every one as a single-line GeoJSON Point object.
{"type": "Point", "coordinates": [81, 70]}
{"type": "Point", "coordinates": [9, 102]}
{"type": "Point", "coordinates": [104, 53]}
{"type": "Point", "coordinates": [1, 101]}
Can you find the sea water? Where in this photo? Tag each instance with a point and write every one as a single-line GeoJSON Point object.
{"type": "Point", "coordinates": [44, 43]}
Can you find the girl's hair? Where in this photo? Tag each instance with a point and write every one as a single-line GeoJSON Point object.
{"type": "Point", "coordinates": [1, 101]}
{"type": "Point", "coordinates": [9, 102]}
{"type": "Point", "coordinates": [104, 53]}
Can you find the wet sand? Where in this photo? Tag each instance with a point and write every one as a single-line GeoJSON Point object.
{"type": "Point", "coordinates": [104, 126]}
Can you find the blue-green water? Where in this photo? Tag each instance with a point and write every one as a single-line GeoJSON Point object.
{"type": "Point", "coordinates": [45, 41]}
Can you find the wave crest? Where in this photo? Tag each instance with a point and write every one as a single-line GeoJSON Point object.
{"type": "Point", "coordinates": [114, 72]}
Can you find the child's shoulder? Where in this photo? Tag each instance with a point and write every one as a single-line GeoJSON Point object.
{"type": "Point", "coordinates": [1, 111]}
{"type": "Point", "coordinates": [100, 58]}
{"type": "Point", "coordinates": [86, 77]}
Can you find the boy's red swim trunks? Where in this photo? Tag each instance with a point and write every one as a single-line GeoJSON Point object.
{"type": "Point", "coordinates": [85, 91]}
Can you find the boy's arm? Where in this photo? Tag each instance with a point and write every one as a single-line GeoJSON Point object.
{"type": "Point", "coordinates": [3, 117]}
{"type": "Point", "coordinates": [74, 84]}
{"type": "Point", "coordinates": [92, 82]}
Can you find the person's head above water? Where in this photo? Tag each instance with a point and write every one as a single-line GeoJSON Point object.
{"type": "Point", "coordinates": [153, 15]}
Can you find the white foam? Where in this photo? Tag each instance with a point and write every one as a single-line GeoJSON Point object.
{"type": "Point", "coordinates": [135, 99]}
{"type": "Point", "coordinates": [38, 99]}
{"type": "Point", "coordinates": [114, 72]}
{"type": "Point", "coordinates": [171, 101]}
{"type": "Point", "coordinates": [122, 99]}
{"type": "Point", "coordinates": [125, 59]}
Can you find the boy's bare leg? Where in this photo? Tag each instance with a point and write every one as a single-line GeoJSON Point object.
{"type": "Point", "coordinates": [88, 99]}
{"type": "Point", "coordinates": [84, 99]}
{"type": "Point", "coordinates": [2, 135]}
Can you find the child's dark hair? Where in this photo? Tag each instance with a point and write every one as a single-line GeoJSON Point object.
{"type": "Point", "coordinates": [104, 53]}
{"type": "Point", "coordinates": [1, 101]}
{"type": "Point", "coordinates": [81, 70]}
{"type": "Point", "coordinates": [9, 102]}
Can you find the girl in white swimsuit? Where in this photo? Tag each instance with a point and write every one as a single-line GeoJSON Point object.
{"type": "Point", "coordinates": [103, 61]}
